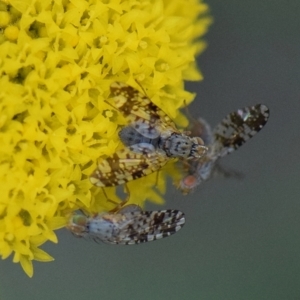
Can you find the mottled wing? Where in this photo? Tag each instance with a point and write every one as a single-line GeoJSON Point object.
{"type": "Point", "coordinates": [126, 165]}
{"type": "Point", "coordinates": [147, 118]}
{"type": "Point", "coordinates": [146, 226]}
{"type": "Point", "coordinates": [238, 127]}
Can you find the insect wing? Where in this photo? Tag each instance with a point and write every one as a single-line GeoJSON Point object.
{"type": "Point", "coordinates": [126, 165]}
{"type": "Point", "coordinates": [238, 127]}
{"type": "Point", "coordinates": [146, 226]}
{"type": "Point", "coordinates": [147, 118]}
{"type": "Point", "coordinates": [130, 137]}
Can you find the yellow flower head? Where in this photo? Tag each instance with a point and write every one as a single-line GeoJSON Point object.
{"type": "Point", "coordinates": [57, 61]}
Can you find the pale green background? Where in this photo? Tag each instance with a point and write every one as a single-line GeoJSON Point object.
{"type": "Point", "coordinates": [242, 238]}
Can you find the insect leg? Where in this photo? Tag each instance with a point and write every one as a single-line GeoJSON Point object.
{"type": "Point", "coordinates": [112, 201]}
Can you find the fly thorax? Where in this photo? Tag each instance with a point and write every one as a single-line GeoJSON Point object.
{"type": "Point", "coordinates": [198, 149]}
{"type": "Point", "coordinates": [181, 145]}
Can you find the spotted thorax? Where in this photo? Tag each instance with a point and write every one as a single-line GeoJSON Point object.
{"type": "Point", "coordinates": [128, 226]}
{"type": "Point", "coordinates": [230, 134]}
{"type": "Point", "coordinates": [151, 139]}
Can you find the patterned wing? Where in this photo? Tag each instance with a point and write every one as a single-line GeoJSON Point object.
{"type": "Point", "coordinates": [126, 165]}
{"type": "Point", "coordinates": [147, 118]}
{"type": "Point", "coordinates": [128, 228]}
{"type": "Point", "coordinates": [238, 127]}
{"type": "Point", "coordinates": [147, 226]}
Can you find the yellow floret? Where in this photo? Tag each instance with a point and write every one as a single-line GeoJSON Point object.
{"type": "Point", "coordinates": [11, 33]}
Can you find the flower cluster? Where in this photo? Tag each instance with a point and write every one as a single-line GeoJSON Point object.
{"type": "Point", "coordinates": [57, 61]}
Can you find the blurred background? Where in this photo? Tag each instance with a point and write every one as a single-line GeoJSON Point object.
{"type": "Point", "coordinates": [242, 238]}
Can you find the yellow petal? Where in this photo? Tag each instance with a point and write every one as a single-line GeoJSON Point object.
{"type": "Point", "coordinates": [41, 255]}
{"type": "Point", "coordinates": [26, 265]}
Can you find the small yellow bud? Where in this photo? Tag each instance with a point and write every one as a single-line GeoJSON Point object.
{"type": "Point", "coordinates": [11, 33]}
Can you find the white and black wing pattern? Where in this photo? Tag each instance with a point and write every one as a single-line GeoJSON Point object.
{"type": "Point", "coordinates": [128, 227]}
{"type": "Point", "coordinates": [238, 127]}
{"type": "Point", "coordinates": [147, 226]}
{"type": "Point", "coordinates": [142, 114]}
